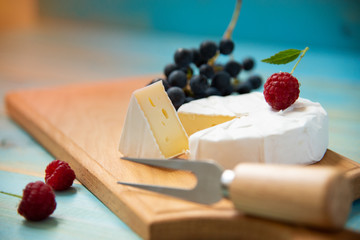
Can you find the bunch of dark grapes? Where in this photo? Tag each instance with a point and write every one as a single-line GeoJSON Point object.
{"type": "Point", "coordinates": [195, 74]}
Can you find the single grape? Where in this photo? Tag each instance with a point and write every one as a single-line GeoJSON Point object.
{"type": "Point", "coordinates": [197, 59]}
{"type": "Point", "coordinates": [248, 63]}
{"type": "Point", "coordinates": [212, 91]}
{"type": "Point", "coordinates": [188, 99]}
{"type": "Point", "coordinates": [164, 82]}
{"type": "Point", "coordinates": [233, 68]}
{"type": "Point", "coordinates": [178, 78]}
{"type": "Point", "coordinates": [182, 57]}
{"type": "Point", "coordinates": [244, 87]}
{"type": "Point", "coordinates": [208, 49]}
{"type": "Point", "coordinates": [226, 46]}
{"type": "Point", "coordinates": [206, 70]}
{"type": "Point", "coordinates": [198, 85]}
{"type": "Point", "coordinates": [169, 68]}
{"type": "Point", "coordinates": [228, 90]}
{"type": "Point", "coordinates": [255, 81]}
{"type": "Point", "coordinates": [177, 96]}
{"type": "Point", "coordinates": [221, 81]}
{"type": "Point", "coordinates": [201, 62]}
{"type": "Point", "coordinates": [195, 55]}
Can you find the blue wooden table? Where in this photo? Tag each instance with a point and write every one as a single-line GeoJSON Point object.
{"type": "Point", "coordinates": [56, 54]}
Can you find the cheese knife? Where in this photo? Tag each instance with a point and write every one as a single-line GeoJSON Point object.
{"type": "Point", "coordinates": [314, 196]}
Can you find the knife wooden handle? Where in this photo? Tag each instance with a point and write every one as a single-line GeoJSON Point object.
{"type": "Point", "coordinates": [319, 196]}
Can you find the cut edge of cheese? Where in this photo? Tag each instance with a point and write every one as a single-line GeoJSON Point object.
{"type": "Point", "coordinates": [193, 122]}
{"type": "Point", "coordinates": [152, 128]}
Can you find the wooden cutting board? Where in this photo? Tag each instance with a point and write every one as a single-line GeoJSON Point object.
{"type": "Point", "coordinates": [81, 124]}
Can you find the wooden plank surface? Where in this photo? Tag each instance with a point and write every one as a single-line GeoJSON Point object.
{"type": "Point", "coordinates": [77, 211]}
{"type": "Point", "coordinates": [82, 124]}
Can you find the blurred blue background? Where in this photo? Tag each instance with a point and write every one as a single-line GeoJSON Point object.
{"type": "Point", "coordinates": [46, 43]}
{"type": "Point", "coordinates": [325, 23]}
{"type": "Point", "coordinates": [72, 41]}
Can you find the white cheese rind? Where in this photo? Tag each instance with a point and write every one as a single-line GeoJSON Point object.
{"type": "Point", "coordinates": [136, 127]}
{"type": "Point", "coordinates": [297, 135]}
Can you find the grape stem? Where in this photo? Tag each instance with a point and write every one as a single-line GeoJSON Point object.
{"type": "Point", "coordinates": [10, 194]}
{"type": "Point", "coordinates": [302, 55]}
{"type": "Point", "coordinates": [232, 24]}
{"type": "Point", "coordinates": [230, 28]}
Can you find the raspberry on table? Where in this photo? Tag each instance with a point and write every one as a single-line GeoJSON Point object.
{"type": "Point", "coordinates": [38, 201]}
{"type": "Point", "coordinates": [59, 175]}
{"type": "Point", "coordinates": [281, 90]}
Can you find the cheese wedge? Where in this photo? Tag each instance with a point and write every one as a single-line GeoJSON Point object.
{"type": "Point", "coordinates": [152, 127]}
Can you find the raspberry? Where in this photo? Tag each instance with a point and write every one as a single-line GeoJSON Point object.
{"type": "Point", "coordinates": [281, 90]}
{"type": "Point", "coordinates": [38, 201]}
{"type": "Point", "coordinates": [59, 175]}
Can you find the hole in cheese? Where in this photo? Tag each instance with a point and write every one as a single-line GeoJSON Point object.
{"type": "Point", "coordinates": [151, 102]}
{"type": "Point", "coordinates": [165, 113]}
{"type": "Point", "coordinates": [161, 129]}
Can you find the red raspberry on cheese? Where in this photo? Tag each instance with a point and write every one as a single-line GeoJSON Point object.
{"type": "Point", "coordinates": [281, 90]}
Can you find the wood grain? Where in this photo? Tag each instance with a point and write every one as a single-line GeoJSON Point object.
{"type": "Point", "coordinates": [81, 124]}
{"type": "Point", "coordinates": [315, 196]}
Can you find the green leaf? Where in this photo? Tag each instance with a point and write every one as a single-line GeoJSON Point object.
{"type": "Point", "coordinates": [283, 57]}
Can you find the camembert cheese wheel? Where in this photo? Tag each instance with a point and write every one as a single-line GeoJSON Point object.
{"type": "Point", "coordinates": [244, 128]}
